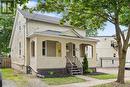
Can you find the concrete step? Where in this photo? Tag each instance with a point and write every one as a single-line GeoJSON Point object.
{"type": "Point", "coordinates": [75, 70]}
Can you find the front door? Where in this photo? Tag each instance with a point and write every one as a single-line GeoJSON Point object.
{"type": "Point", "coordinates": [70, 51]}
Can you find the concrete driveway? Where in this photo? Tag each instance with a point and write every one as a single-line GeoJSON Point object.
{"type": "Point", "coordinates": [113, 71]}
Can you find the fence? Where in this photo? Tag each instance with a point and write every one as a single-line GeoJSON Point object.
{"type": "Point", "coordinates": [5, 63]}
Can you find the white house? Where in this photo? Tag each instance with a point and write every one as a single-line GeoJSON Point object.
{"type": "Point", "coordinates": [39, 45]}
{"type": "Point", "coordinates": [106, 51]}
{"type": "Point", "coordinates": [127, 65]}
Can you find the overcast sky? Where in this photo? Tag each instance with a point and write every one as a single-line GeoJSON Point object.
{"type": "Point", "coordinates": [108, 31]}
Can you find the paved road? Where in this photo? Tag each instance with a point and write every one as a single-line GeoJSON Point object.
{"type": "Point", "coordinates": [36, 83]}
{"type": "Point", "coordinates": [32, 83]}
{"type": "Point", "coordinates": [8, 83]}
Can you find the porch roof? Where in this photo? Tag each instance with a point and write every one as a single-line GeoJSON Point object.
{"type": "Point", "coordinates": [59, 34]}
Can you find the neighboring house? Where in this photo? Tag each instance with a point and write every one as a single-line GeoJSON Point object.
{"type": "Point", "coordinates": [106, 51]}
{"type": "Point", "coordinates": [39, 45]}
{"type": "Point", "coordinates": [127, 65]}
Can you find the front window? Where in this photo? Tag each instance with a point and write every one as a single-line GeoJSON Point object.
{"type": "Point", "coordinates": [33, 48]}
{"type": "Point", "coordinates": [19, 48]}
{"type": "Point", "coordinates": [51, 48]}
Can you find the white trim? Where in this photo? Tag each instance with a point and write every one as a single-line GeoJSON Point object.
{"type": "Point", "coordinates": [82, 39]}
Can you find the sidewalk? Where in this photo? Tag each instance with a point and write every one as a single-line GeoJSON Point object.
{"type": "Point", "coordinates": [89, 82]}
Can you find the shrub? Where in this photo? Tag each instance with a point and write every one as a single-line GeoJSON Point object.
{"type": "Point", "coordinates": [85, 65]}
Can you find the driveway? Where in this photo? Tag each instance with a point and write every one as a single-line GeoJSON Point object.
{"type": "Point", "coordinates": [113, 71]}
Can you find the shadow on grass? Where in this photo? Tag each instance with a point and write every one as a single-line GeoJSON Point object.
{"type": "Point", "coordinates": [101, 76]}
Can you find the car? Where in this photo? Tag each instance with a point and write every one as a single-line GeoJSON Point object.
{"type": "Point", "coordinates": [127, 65]}
{"type": "Point", "coordinates": [0, 79]}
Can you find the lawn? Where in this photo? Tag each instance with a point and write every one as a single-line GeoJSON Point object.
{"type": "Point", "coordinates": [114, 84]}
{"type": "Point", "coordinates": [103, 76]}
{"type": "Point", "coordinates": [10, 74]}
{"type": "Point", "coordinates": [63, 80]}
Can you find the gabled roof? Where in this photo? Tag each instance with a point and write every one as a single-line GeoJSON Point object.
{"type": "Point", "coordinates": [39, 17]}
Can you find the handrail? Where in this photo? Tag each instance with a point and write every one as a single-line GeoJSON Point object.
{"type": "Point", "coordinates": [69, 60]}
{"type": "Point", "coordinates": [77, 61]}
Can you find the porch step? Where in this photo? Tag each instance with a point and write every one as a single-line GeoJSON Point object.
{"type": "Point", "coordinates": [74, 70]}
{"type": "Point", "coordinates": [76, 73]}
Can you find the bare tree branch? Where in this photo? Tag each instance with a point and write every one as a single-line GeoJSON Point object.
{"type": "Point", "coordinates": [122, 35]}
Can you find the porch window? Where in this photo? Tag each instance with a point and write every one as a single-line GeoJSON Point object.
{"type": "Point", "coordinates": [89, 51]}
{"type": "Point", "coordinates": [33, 48]}
{"type": "Point", "coordinates": [51, 48]}
{"type": "Point", "coordinates": [86, 49]}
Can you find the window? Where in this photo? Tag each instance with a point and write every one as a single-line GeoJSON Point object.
{"type": "Point", "coordinates": [24, 26]}
{"type": "Point", "coordinates": [19, 25]}
{"type": "Point", "coordinates": [51, 48]}
{"type": "Point", "coordinates": [43, 48]}
{"type": "Point", "coordinates": [73, 45]}
{"type": "Point", "coordinates": [86, 49]}
{"type": "Point", "coordinates": [19, 48]}
{"type": "Point", "coordinates": [112, 61]}
{"type": "Point", "coordinates": [89, 51]}
{"type": "Point", "coordinates": [33, 48]}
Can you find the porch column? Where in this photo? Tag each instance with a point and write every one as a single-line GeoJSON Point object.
{"type": "Point", "coordinates": [94, 54]}
{"type": "Point", "coordinates": [63, 52]}
{"type": "Point", "coordinates": [77, 46]}
{"type": "Point", "coordinates": [63, 49]}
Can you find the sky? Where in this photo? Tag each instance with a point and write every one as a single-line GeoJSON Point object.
{"type": "Point", "coordinates": [109, 28]}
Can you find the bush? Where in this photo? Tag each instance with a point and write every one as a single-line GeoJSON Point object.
{"type": "Point", "coordinates": [85, 65]}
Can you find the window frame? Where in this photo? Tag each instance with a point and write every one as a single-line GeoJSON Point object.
{"type": "Point", "coordinates": [19, 48]}
{"type": "Point", "coordinates": [33, 49]}
{"type": "Point", "coordinates": [45, 48]}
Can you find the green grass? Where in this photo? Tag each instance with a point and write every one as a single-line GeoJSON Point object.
{"type": "Point", "coordinates": [10, 74]}
{"type": "Point", "coordinates": [62, 80]}
{"type": "Point", "coordinates": [103, 76]}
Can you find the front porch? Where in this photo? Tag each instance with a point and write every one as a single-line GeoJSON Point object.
{"type": "Point", "coordinates": [52, 54]}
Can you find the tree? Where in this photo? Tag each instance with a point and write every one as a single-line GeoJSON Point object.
{"type": "Point", "coordinates": [6, 22]}
{"type": "Point", "coordinates": [92, 15]}
{"type": "Point", "coordinates": [6, 25]}
{"type": "Point", "coordinates": [85, 65]}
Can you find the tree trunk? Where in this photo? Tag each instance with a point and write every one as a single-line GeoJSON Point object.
{"type": "Point", "coordinates": [121, 69]}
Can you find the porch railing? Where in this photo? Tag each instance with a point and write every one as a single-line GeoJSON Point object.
{"type": "Point", "coordinates": [78, 63]}
{"type": "Point", "coordinates": [69, 64]}
{"type": "Point", "coordinates": [69, 61]}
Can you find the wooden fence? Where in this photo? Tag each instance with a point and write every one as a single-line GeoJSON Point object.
{"type": "Point", "coordinates": [5, 63]}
